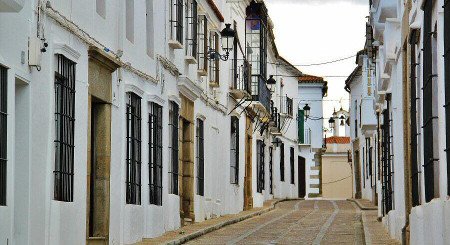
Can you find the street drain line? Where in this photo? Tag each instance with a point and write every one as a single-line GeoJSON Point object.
{"type": "Point", "coordinates": [316, 208]}
{"type": "Point", "coordinates": [248, 233]}
{"type": "Point", "coordinates": [327, 225]}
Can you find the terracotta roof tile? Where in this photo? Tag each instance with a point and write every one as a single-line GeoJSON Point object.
{"type": "Point", "coordinates": [310, 78]}
{"type": "Point", "coordinates": [338, 140]}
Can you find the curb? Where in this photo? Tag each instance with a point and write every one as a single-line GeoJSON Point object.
{"type": "Point", "coordinates": [360, 206]}
{"type": "Point", "coordinates": [218, 226]}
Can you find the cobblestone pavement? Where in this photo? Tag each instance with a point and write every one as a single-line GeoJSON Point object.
{"type": "Point", "coordinates": [295, 222]}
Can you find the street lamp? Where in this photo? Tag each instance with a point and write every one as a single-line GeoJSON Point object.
{"type": "Point", "coordinates": [331, 122]}
{"type": "Point", "coordinates": [306, 110]}
{"type": "Point", "coordinates": [271, 80]}
{"type": "Point", "coordinates": [227, 36]}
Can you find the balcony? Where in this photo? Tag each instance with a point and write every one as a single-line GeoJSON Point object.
{"type": "Point", "coordinates": [304, 137]}
{"type": "Point", "coordinates": [275, 120]}
{"type": "Point", "coordinates": [260, 94]}
{"type": "Point", "coordinates": [240, 87]}
{"type": "Point", "coordinates": [11, 6]}
{"type": "Point", "coordinates": [287, 106]}
{"type": "Point", "coordinates": [368, 117]}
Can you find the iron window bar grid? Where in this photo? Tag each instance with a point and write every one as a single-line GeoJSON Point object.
{"type": "Point", "coordinates": [200, 157]}
{"type": "Point", "coordinates": [156, 151]}
{"type": "Point", "coordinates": [64, 129]}
{"type": "Point", "coordinates": [282, 162]}
{"type": "Point", "coordinates": [174, 115]}
{"type": "Point", "coordinates": [260, 165]}
{"type": "Point", "coordinates": [133, 179]}
{"type": "Point", "coordinates": [176, 20]}
{"type": "Point", "coordinates": [234, 151]}
{"type": "Point", "coordinates": [287, 105]}
{"type": "Point", "coordinates": [202, 50]}
{"type": "Point", "coordinates": [214, 64]}
{"type": "Point", "coordinates": [275, 116]}
{"type": "Point", "coordinates": [3, 133]}
{"type": "Point", "coordinates": [271, 170]}
{"type": "Point", "coordinates": [447, 85]}
{"type": "Point", "coordinates": [192, 27]}
{"type": "Point", "coordinates": [292, 161]}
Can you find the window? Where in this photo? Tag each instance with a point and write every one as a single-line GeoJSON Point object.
{"type": "Point", "coordinates": [3, 132]}
{"type": "Point", "coordinates": [282, 161]}
{"type": "Point", "coordinates": [292, 160]}
{"type": "Point", "coordinates": [428, 118]}
{"type": "Point", "coordinates": [200, 158]}
{"type": "Point", "coordinates": [260, 165]}
{"type": "Point", "coordinates": [234, 152]}
{"type": "Point", "coordinates": [176, 20]}
{"type": "Point", "coordinates": [447, 86]}
{"type": "Point", "coordinates": [150, 28]}
{"type": "Point", "coordinates": [413, 126]}
{"type": "Point", "coordinates": [64, 129]}
{"type": "Point", "coordinates": [133, 179]}
{"type": "Point", "coordinates": [155, 142]}
{"type": "Point", "coordinates": [129, 20]}
{"type": "Point", "coordinates": [100, 8]}
{"type": "Point", "coordinates": [356, 118]}
{"type": "Point", "coordinates": [301, 126]}
{"type": "Point", "coordinates": [202, 50]}
{"type": "Point", "coordinates": [387, 164]}
{"type": "Point", "coordinates": [271, 170]}
{"type": "Point", "coordinates": [214, 63]}
{"type": "Point", "coordinates": [191, 30]}
{"type": "Point", "coordinates": [174, 111]}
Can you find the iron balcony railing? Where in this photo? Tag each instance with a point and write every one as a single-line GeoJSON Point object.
{"type": "Point", "coordinates": [287, 106]}
{"type": "Point", "coordinates": [242, 77]}
{"type": "Point", "coordinates": [275, 118]}
{"type": "Point", "coordinates": [260, 91]}
{"type": "Point", "coordinates": [305, 138]}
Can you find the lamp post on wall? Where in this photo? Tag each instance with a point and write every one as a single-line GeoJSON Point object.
{"type": "Point", "coordinates": [227, 36]}
{"type": "Point", "coordinates": [306, 110]}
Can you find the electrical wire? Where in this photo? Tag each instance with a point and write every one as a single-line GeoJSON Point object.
{"type": "Point", "coordinates": [317, 64]}
{"type": "Point", "coordinates": [337, 180]}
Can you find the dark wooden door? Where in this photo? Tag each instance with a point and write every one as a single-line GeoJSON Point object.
{"type": "Point", "coordinates": [301, 177]}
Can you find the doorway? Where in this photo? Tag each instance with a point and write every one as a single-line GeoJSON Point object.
{"type": "Point", "coordinates": [187, 162]}
{"type": "Point", "coordinates": [248, 195]}
{"type": "Point", "coordinates": [301, 177]}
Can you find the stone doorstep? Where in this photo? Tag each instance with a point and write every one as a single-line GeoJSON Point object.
{"type": "Point", "coordinates": [269, 206]}
{"type": "Point", "coordinates": [362, 206]}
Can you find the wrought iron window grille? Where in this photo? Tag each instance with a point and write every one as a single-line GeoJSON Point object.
{"type": "Point", "coordinates": [156, 154]}
{"type": "Point", "coordinates": [200, 157]}
{"type": "Point", "coordinates": [173, 147]}
{"type": "Point", "coordinates": [134, 151]}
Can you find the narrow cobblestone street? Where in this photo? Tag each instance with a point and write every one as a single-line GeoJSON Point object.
{"type": "Point", "coordinates": [295, 222]}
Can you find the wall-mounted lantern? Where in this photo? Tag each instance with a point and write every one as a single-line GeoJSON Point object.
{"type": "Point", "coordinates": [331, 122]}
{"type": "Point", "coordinates": [306, 110]}
{"type": "Point", "coordinates": [227, 35]}
{"type": "Point", "coordinates": [271, 80]}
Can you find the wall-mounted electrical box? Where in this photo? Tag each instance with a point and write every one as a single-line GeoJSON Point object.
{"type": "Point", "coordinates": [34, 51]}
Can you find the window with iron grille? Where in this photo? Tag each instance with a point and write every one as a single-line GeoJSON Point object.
{"type": "Point", "coordinates": [174, 116]}
{"type": "Point", "coordinates": [3, 132]}
{"type": "Point", "coordinates": [214, 63]}
{"type": "Point", "coordinates": [292, 160]}
{"type": "Point", "coordinates": [447, 85]}
{"type": "Point", "coordinates": [356, 120]}
{"type": "Point", "coordinates": [202, 50]}
{"type": "Point", "coordinates": [200, 157]}
{"type": "Point", "coordinates": [364, 166]}
{"type": "Point", "coordinates": [428, 118]}
{"type": "Point", "coordinates": [387, 181]}
{"type": "Point", "coordinates": [191, 30]}
{"type": "Point", "coordinates": [134, 122]}
{"type": "Point", "coordinates": [64, 129]}
{"type": "Point", "coordinates": [155, 142]}
{"type": "Point", "coordinates": [260, 165]}
{"type": "Point", "coordinates": [282, 162]}
{"type": "Point", "coordinates": [234, 152]}
{"type": "Point", "coordinates": [176, 20]}
{"type": "Point", "coordinates": [271, 170]}
{"type": "Point", "coordinates": [413, 126]}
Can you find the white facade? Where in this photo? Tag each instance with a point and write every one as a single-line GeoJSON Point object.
{"type": "Point", "coordinates": [135, 37]}
{"type": "Point", "coordinates": [409, 112]}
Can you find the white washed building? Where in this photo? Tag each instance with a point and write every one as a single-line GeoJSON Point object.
{"type": "Point", "coordinates": [116, 126]}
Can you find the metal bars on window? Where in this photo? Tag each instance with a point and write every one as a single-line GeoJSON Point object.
{"type": "Point", "coordinates": [292, 161]}
{"type": "Point", "coordinates": [64, 129]}
{"type": "Point", "coordinates": [133, 178]}
{"type": "Point", "coordinates": [214, 68]}
{"type": "Point", "coordinates": [176, 20]}
{"type": "Point", "coordinates": [260, 165]}
{"type": "Point", "coordinates": [234, 151]}
{"type": "Point", "coordinates": [174, 111]}
{"type": "Point", "coordinates": [428, 145]}
{"type": "Point", "coordinates": [413, 126]}
{"type": "Point", "coordinates": [202, 50]}
{"type": "Point", "coordinates": [387, 183]}
{"type": "Point", "coordinates": [447, 85]}
{"type": "Point", "coordinates": [3, 132]}
{"type": "Point", "coordinates": [200, 157]}
{"type": "Point", "coordinates": [271, 170]}
{"type": "Point", "coordinates": [282, 162]}
{"type": "Point", "coordinates": [191, 30]}
{"type": "Point", "coordinates": [156, 151]}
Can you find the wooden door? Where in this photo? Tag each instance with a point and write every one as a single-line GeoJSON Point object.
{"type": "Point", "coordinates": [301, 177]}
{"type": "Point", "coordinates": [248, 196]}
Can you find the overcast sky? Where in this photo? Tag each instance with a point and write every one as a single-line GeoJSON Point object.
{"type": "Point", "coordinates": [315, 31]}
